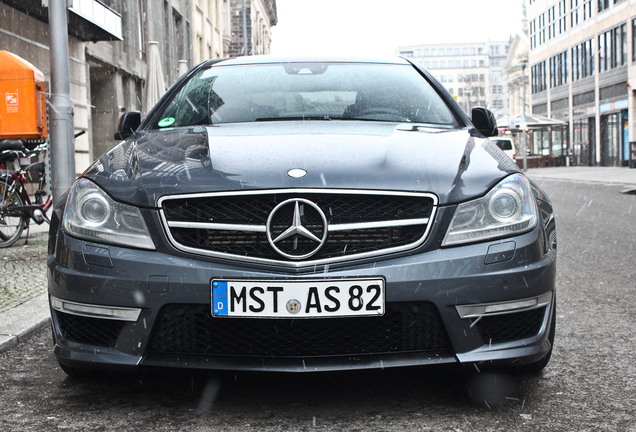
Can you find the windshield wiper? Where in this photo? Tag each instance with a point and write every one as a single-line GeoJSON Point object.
{"type": "Point", "coordinates": [323, 118]}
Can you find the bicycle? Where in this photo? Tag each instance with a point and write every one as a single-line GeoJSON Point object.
{"type": "Point", "coordinates": [16, 208]}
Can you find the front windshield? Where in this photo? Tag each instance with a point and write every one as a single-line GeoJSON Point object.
{"type": "Point", "coordinates": [310, 91]}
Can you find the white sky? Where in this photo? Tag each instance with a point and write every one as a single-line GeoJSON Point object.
{"type": "Point", "coordinates": [377, 27]}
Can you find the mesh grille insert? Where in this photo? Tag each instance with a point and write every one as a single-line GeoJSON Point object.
{"type": "Point", "coordinates": [509, 327]}
{"type": "Point", "coordinates": [92, 331]}
{"type": "Point", "coordinates": [405, 327]}
{"type": "Point", "coordinates": [254, 210]}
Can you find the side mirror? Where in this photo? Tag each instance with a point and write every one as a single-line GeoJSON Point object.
{"type": "Point", "coordinates": [127, 124]}
{"type": "Point", "coordinates": [484, 121]}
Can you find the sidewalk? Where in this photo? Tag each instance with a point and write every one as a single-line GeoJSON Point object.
{"type": "Point", "coordinates": [625, 176]}
{"type": "Point", "coordinates": [24, 307]}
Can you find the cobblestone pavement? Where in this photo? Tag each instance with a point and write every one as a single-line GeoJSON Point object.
{"type": "Point", "coordinates": [22, 271]}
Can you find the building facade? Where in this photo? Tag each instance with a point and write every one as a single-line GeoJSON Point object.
{"type": "Point", "coordinates": [211, 28]}
{"type": "Point", "coordinates": [472, 72]}
{"type": "Point", "coordinates": [260, 16]}
{"type": "Point", "coordinates": [109, 61]}
{"type": "Point", "coordinates": [582, 56]}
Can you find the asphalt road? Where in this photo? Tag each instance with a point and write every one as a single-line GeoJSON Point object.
{"type": "Point", "coordinates": [588, 385]}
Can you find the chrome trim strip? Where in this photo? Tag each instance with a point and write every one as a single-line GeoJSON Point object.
{"type": "Point", "coordinates": [299, 191]}
{"type": "Point", "coordinates": [501, 308]}
{"type": "Point", "coordinates": [95, 311]}
{"type": "Point", "coordinates": [372, 225]}
{"type": "Point", "coordinates": [295, 264]}
{"type": "Point", "coordinates": [217, 226]}
{"type": "Point", "coordinates": [263, 228]}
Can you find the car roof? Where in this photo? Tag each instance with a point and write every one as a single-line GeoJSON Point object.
{"type": "Point", "coordinates": [272, 59]}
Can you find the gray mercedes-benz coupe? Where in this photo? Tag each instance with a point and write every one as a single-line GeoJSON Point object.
{"type": "Point", "coordinates": [274, 214]}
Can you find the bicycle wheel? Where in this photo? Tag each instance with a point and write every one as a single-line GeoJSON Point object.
{"type": "Point", "coordinates": [11, 225]}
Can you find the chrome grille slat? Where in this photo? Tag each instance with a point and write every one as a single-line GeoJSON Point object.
{"type": "Point", "coordinates": [360, 224]}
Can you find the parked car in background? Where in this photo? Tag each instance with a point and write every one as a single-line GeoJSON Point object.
{"type": "Point", "coordinates": [506, 144]}
{"type": "Point", "coordinates": [280, 214]}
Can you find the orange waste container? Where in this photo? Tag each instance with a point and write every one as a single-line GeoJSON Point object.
{"type": "Point", "coordinates": [22, 99]}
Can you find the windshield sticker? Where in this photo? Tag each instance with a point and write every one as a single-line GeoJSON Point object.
{"type": "Point", "coordinates": [168, 121]}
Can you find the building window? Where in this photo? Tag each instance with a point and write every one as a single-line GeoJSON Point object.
{"type": "Point", "coordinates": [434, 52]}
{"type": "Point", "coordinates": [563, 17]}
{"type": "Point", "coordinates": [457, 51]}
{"type": "Point", "coordinates": [541, 30]}
{"type": "Point", "coordinates": [497, 104]}
{"type": "Point", "coordinates": [434, 65]}
{"type": "Point", "coordinates": [533, 34]}
{"type": "Point", "coordinates": [466, 63]}
{"type": "Point", "coordinates": [587, 9]}
{"type": "Point", "coordinates": [450, 90]}
{"type": "Point", "coordinates": [575, 11]}
{"type": "Point", "coordinates": [450, 78]}
{"type": "Point", "coordinates": [406, 53]}
{"type": "Point", "coordinates": [442, 52]}
{"type": "Point", "coordinates": [612, 47]}
{"type": "Point", "coordinates": [442, 64]}
{"type": "Point", "coordinates": [539, 82]}
{"type": "Point", "coordinates": [552, 22]}
{"type": "Point", "coordinates": [583, 60]}
{"type": "Point", "coordinates": [426, 52]}
{"type": "Point", "coordinates": [482, 63]}
{"type": "Point", "coordinates": [559, 69]}
{"type": "Point", "coordinates": [443, 78]}
{"type": "Point", "coordinates": [634, 40]}
{"type": "Point", "coordinates": [473, 63]}
{"type": "Point", "coordinates": [427, 64]}
{"type": "Point", "coordinates": [603, 5]}
{"type": "Point", "coordinates": [472, 51]}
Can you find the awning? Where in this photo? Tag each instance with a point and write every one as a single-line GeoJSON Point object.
{"type": "Point", "coordinates": [155, 84]}
{"type": "Point", "coordinates": [533, 121]}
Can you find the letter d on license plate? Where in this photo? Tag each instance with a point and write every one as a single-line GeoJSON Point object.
{"type": "Point", "coordinates": [298, 299]}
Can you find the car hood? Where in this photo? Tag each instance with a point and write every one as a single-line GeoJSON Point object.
{"type": "Point", "coordinates": [456, 165]}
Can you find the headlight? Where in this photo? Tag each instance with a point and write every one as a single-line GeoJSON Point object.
{"type": "Point", "coordinates": [509, 208]}
{"type": "Point", "coordinates": [92, 215]}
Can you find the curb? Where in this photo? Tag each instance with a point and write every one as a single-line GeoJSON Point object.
{"type": "Point", "coordinates": [20, 323]}
{"type": "Point", "coordinates": [8, 342]}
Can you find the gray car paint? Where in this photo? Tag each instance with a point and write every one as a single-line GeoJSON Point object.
{"type": "Point", "coordinates": [454, 164]}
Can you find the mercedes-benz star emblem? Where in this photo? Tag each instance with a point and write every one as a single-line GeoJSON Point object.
{"type": "Point", "coordinates": [296, 228]}
{"type": "Point", "coordinates": [297, 173]}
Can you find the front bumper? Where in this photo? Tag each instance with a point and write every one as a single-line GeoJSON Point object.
{"type": "Point", "coordinates": [97, 281]}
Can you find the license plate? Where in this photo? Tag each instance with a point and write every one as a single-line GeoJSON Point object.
{"type": "Point", "coordinates": [298, 299]}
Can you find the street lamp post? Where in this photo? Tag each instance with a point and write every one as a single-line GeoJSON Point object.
{"type": "Point", "coordinates": [61, 107]}
{"type": "Point", "coordinates": [524, 63]}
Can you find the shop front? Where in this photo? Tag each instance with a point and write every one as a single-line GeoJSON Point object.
{"type": "Point", "coordinates": [614, 135]}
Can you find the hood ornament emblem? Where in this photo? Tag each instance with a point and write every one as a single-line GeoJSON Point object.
{"type": "Point", "coordinates": [297, 173]}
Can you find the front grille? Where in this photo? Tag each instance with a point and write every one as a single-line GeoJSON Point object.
{"type": "Point", "coordinates": [509, 327]}
{"type": "Point", "coordinates": [92, 331]}
{"type": "Point", "coordinates": [405, 327]}
{"type": "Point", "coordinates": [370, 223]}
